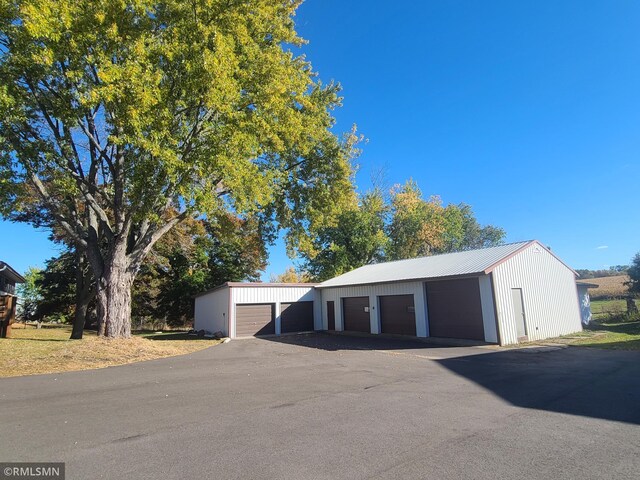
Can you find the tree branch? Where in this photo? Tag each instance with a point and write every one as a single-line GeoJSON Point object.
{"type": "Point", "coordinates": [56, 210]}
{"type": "Point", "coordinates": [146, 242]}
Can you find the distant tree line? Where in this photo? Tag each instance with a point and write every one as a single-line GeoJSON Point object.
{"type": "Point", "coordinates": [609, 272]}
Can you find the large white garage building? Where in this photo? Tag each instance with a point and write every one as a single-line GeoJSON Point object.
{"type": "Point", "coordinates": [505, 295]}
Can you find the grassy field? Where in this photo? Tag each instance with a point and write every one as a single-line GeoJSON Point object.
{"type": "Point", "coordinates": [48, 350]}
{"type": "Point", "coordinates": [608, 286]}
{"type": "Point", "coordinates": [603, 308]}
{"type": "Point", "coordinates": [610, 335]}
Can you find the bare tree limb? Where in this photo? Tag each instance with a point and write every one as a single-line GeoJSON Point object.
{"type": "Point", "coordinates": [56, 211]}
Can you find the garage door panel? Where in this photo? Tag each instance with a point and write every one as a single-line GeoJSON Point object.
{"type": "Point", "coordinates": [397, 314]}
{"type": "Point", "coordinates": [296, 317]}
{"type": "Point", "coordinates": [455, 310]}
{"type": "Point", "coordinates": [355, 313]}
{"type": "Point", "coordinates": [255, 319]}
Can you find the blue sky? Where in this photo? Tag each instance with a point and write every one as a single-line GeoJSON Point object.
{"type": "Point", "coordinates": [529, 111]}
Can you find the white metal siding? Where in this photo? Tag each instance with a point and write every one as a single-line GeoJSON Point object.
{"type": "Point", "coordinates": [276, 295]}
{"type": "Point", "coordinates": [549, 293]}
{"type": "Point", "coordinates": [373, 292]}
{"type": "Point", "coordinates": [212, 311]}
{"type": "Point", "coordinates": [488, 312]}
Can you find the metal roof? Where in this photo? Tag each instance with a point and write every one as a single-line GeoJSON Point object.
{"type": "Point", "coordinates": [6, 270]}
{"type": "Point", "coordinates": [436, 266]}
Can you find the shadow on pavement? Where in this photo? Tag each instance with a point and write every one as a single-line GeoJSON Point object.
{"type": "Point", "coordinates": [588, 382]}
{"type": "Point", "coordinates": [576, 381]}
{"type": "Point", "coordinates": [347, 341]}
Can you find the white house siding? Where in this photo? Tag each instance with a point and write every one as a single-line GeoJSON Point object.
{"type": "Point", "coordinates": [335, 294]}
{"type": "Point", "coordinates": [212, 311]}
{"type": "Point", "coordinates": [585, 304]}
{"type": "Point", "coordinates": [276, 295]}
{"type": "Point", "coordinates": [549, 293]}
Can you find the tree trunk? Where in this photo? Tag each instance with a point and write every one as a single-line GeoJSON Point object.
{"type": "Point", "coordinates": [114, 299]}
{"type": "Point", "coordinates": [84, 295]}
{"type": "Point", "coordinates": [79, 318]}
{"type": "Point", "coordinates": [114, 267]}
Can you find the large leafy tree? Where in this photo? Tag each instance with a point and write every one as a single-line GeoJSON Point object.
{"type": "Point", "coordinates": [418, 226]}
{"type": "Point", "coordinates": [422, 227]}
{"type": "Point", "coordinates": [125, 118]}
{"type": "Point", "coordinates": [229, 250]}
{"type": "Point", "coordinates": [403, 226]}
{"type": "Point", "coordinates": [358, 238]}
{"type": "Point", "coordinates": [462, 231]}
{"type": "Point", "coordinates": [57, 284]}
{"type": "Point", "coordinates": [634, 275]}
{"type": "Point", "coordinates": [235, 249]}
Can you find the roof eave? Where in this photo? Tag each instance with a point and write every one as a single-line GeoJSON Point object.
{"type": "Point", "coordinates": [201, 294]}
{"type": "Point", "coordinates": [404, 280]}
{"type": "Point", "coordinates": [521, 249]}
{"type": "Point", "coordinates": [492, 267]}
{"type": "Point", "coordinates": [17, 277]}
{"type": "Point", "coordinates": [256, 285]}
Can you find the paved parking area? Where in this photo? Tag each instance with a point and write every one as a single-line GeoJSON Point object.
{"type": "Point", "coordinates": [333, 407]}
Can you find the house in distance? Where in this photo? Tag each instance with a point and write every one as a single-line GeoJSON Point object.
{"type": "Point", "coordinates": [8, 279]}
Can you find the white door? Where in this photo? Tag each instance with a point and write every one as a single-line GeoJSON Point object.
{"type": "Point", "coordinates": [518, 312]}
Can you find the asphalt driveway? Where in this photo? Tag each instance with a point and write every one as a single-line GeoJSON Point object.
{"type": "Point", "coordinates": [332, 407]}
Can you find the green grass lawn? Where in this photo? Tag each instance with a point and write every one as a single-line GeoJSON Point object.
{"type": "Point", "coordinates": [32, 351]}
{"type": "Point", "coordinates": [614, 335]}
{"type": "Point", "coordinates": [603, 308]}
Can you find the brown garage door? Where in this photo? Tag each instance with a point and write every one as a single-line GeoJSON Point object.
{"type": "Point", "coordinates": [255, 319]}
{"type": "Point", "coordinates": [355, 311]}
{"type": "Point", "coordinates": [296, 317]}
{"type": "Point", "coordinates": [397, 314]}
{"type": "Point", "coordinates": [454, 309]}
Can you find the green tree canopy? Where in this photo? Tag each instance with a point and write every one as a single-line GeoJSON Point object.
{"type": "Point", "coordinates": [358, 238]}
{"type": "Point", "coordinates": [57, 286]}
{"type": "Point", "coordinates": [418, 227]}
{"type": "Point", "coordinates": [634, 275]}
{"type": "Point", "coordinates": [125, 118]}
{"type": "Point", "coordinates": [29, 294]}
{"type": "Point", "coordinates": [402, 225]}
{"type": "Point", "coordinates": [422, 227]}
{"type": "Point", "coordinates": [290, 275]}
{"type": "Point", "coordinates": [463, 232]}
{"type": "Point", "coordinates": [199, 257]}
